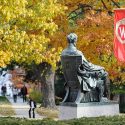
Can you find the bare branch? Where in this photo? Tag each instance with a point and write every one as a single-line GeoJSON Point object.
{"type": "Point", "coordinates": [104, 4]}
{"type": "Point", "coordinates": [115, 3]}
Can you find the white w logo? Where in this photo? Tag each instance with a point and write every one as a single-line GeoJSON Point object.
{"type": "Point", "coordinates": [122, 32]}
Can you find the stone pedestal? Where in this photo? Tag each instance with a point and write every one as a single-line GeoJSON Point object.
{"type": "Point", "coordinates": [93, 109]}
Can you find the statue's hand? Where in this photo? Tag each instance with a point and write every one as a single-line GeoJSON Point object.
{"type": "Point", "coordinates": [102, 68]}
{"type": "Point", "coordinates": [102, 73]}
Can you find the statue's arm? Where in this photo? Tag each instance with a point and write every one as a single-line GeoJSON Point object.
{"type": "Point", "coordinates": [91, 67]}
{"type": "Point", "coordinates": [87, 65]}
{"type": "Point", "coordinates": [85, 73]}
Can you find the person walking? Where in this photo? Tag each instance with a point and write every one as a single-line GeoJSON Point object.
{"type": "Point", "coordinates": [15, 93]}
{"type": "Point", "coordinates": [32, 104]}
{"type": "Point", "coordinates": [24, 92]}
{"type": "Point", "coordinates": [4, 90]}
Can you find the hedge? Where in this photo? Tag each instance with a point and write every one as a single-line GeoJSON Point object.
{"type": "Point", "coordinates": [116, 120]}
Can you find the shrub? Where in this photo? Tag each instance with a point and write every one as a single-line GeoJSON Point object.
{"type": "Point", "coordinates": [36, 96]}
{"type": "Point", "coordinates": [58, 100]}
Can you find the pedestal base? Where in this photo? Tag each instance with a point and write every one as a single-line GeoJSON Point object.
{"type": "Point", "coordinates": [93, 109]}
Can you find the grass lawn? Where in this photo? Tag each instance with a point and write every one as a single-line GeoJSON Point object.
{"type": "Point", "coordinates": [116, 120]}
{"type": "Point", "coordinates": [5, 107]}
{"type": "Point", "coordinates": [49, 113]}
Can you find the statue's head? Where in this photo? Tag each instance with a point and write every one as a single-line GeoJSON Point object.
{"type": "Point", "coordinates": [72, 38]}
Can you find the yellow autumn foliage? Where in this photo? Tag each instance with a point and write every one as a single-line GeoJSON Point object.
{"type": "Point", "coordinates": [25, 27]}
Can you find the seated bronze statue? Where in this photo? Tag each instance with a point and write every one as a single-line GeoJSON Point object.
{"type": "Point", "coordinates": [85, 82]}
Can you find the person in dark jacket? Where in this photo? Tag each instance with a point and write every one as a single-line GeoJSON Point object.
{"type": "Point", "coordinates": [4, 90]}
{"type": "Point", "coordinates": [32, 104]}
{"type": "Point", "coordinates": [24, 92]}
{"type": "Point", "coordinates": [15, 94]}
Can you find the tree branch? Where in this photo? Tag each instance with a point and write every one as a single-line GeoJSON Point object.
{"type": "Point", "coordinates": [104, 5]}
{"type": "Point", "coordinates": [115, 3]}
{"type": "Point", "coordinates": [81, 6]}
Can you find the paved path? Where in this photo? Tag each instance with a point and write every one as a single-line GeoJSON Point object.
{"type": "Point", "coordinates": [21, 108]}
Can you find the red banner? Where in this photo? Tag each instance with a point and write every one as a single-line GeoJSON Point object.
{"type": "Point", "coordinates": [119, 34]}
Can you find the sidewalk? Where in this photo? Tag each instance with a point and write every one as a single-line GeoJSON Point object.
{"type": "Point", "coordinates": [21, 108]}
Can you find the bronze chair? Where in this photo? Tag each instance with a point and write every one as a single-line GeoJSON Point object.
{"type": "Point", "coordinates": [70, 66]}
{"type": "Point", "coordinates": [74, 93]}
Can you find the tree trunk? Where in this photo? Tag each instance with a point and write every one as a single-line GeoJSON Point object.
{"type": "Point", "coordinates": [48, 87]}
{"type": "Point", "coordinates": [44, 74]}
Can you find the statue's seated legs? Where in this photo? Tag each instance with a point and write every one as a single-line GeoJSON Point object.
{"type": "Point", "coordinates": [100, 88]}
{"type": "Point", "coordinates": [77, 95]}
